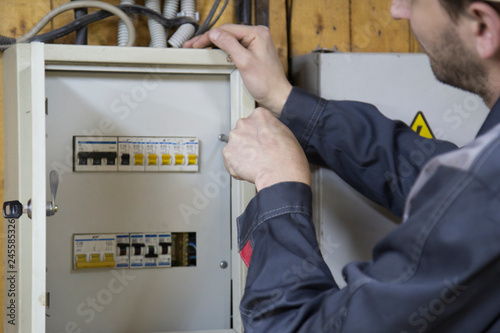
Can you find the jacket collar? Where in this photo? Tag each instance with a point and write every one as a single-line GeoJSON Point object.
{"type": "Point", "coordinates": [492, 120]}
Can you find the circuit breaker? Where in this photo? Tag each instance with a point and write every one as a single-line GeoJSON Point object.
{"type": "Point", "coordinates": [140, 239]}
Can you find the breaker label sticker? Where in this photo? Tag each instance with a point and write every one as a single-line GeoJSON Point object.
{"type": "Point", "coordinates": [421, 126]}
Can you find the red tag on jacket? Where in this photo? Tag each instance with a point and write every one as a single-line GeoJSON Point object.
{"type": "Point", "coordinates": [246, 253]}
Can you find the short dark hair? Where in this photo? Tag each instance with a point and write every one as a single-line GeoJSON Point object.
{"type": "Point", "coordinates": [455, 8]}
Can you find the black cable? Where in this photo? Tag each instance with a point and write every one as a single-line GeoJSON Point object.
{"type": "Point", "coordinates": [219, 15]}
{"type": "Point", "coordinates": [205, 24]}
{"type": "Point", "coordinates": [100, 15]}
{"type": "Point", "coordinates": [244, 12]}
{"type": "Point", "coordinates": [247, 12]}
{"type": "Point", "coordinates": [81, 34]}
{"type": "Point", "coordinates": [4, 40]}
{"type": "Point", "coordinates": [289, 40]}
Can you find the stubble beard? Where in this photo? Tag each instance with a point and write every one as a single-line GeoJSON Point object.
{"type": "Point", "coordinates": [453, 65]}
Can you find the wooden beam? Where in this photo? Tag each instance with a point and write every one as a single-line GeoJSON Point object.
{"type": "Point", "coordinates": [323, 23]}
{"type": "Point", "coordinates": [374, 30]}
{"type": "Point", "coordinates": [277, 25]}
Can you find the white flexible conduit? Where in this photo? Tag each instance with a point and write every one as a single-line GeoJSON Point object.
{"type": "Point", "coordinates": [170, 8]}
{"type": "Point", "coordinates": [122, 29]}
{"type": "Point", "coordinates": [81, 4]}
{"type": "Point", "coordinates": [185, 31]}
{"type": "Point", "coordinates": [156, 30]}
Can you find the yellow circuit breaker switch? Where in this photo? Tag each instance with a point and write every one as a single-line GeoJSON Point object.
{"type": "Point", "coordinates": [153, 158]}
{"type": "Point", "coordinates": [139, 159]}
{"type": "Point", "coordinates": [192, 158]}
{"type": "Point", "coordinates": [179, 159]}
{"type": "Point", "coordinates": [95, 261]}
{"type": "Point", "coordinates": [165, 159]}
{"type": "Point", "coordinates": [81, 258]}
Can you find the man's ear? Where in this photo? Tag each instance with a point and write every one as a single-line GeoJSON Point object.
{"type": "Point", "coordinates": [486, 29]}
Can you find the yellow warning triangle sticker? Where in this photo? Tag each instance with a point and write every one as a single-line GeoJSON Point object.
{"type": "Point", "coordinates": [421, 126]}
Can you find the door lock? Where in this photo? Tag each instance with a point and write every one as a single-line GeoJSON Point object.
{"type": "Point", "coordinates": [15, 209]}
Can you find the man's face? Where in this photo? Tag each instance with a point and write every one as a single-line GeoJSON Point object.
{"type": "Point", "coordinates": [452, 61]}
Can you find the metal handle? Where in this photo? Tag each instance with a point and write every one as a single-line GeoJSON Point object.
{"type": "Point", "coordinates": [14, 209]}
{"type": "Point", "coordinates": [54, 184]}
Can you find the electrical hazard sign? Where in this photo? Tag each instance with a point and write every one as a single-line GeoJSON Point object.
{"type": "Point", "coordinates": [421, 126]}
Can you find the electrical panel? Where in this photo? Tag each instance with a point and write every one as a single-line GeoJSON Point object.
{"type": "Point", "coordinates": [145, 214]}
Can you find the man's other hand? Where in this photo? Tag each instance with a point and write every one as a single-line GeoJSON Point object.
{"type": "Point", "coordinates": [263, 151]}
{"type": "Point", "coordinates": [254, 54]}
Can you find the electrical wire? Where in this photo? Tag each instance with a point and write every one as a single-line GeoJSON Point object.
{"type": "Point", "coordinates": [219, 15]}
{"type": "Point", "coordinates": [100, 15]}
{"type": "Point", "coordinates": [289, 39]}
{"type": "Point", "coordinates": [97, 16]}
{"type": "Point", "coordinates": [80, 4]}
{"type": "Point", "coordinates": [81, 34]}
{"type": "Point", "coordinates": [203, 27]}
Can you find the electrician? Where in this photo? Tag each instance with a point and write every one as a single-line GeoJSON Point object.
{"type": "Point", "coordinates": [437, 272]}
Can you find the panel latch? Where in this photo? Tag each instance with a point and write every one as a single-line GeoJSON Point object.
{"type": "Point", "coordinates": [15, 209]}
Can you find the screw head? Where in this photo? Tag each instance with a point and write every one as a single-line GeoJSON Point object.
{"type": "Point", "coordinates": [223, 264]}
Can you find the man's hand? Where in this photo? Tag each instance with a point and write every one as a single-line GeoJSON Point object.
{"type": "Point", "coordinates": [254, 54]}
{"type": "Point", "coordinates": [263, 151]}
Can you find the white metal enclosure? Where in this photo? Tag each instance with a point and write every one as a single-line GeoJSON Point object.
{"type": "Point", "coordinates": [56, 92]}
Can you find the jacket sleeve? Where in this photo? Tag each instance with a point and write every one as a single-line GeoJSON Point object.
{"type": "Point", "coordinates": [379, 157]}
{"type": "Point", "coordinates": [432, 274]}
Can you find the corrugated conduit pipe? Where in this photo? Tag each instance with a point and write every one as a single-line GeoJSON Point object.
{"type": "Point", "coordinates": [156, 30]}
{"type": "Point", "coordinates": [170, 9]}
{"type": "Point", "coordinates": [185, 31]}
{"type": "Point", "coordinates": [122, 28]}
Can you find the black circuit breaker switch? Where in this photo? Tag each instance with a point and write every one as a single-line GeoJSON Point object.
{"type": "Point", "coordinates": [151, 252]}
{"type": "Point", "coordinates": [95, 154]}
{"type": "Point", "coordinates": [164, 247]}
{"type": "Point", "coordinates": [125, 159]}
{"type": "Point", "coordinates": [123, 248]}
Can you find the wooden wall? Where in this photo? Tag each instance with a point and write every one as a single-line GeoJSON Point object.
{"type": "Point", "coordinates": [348, 25]}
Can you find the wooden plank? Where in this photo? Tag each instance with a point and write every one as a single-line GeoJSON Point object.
{"type": "Point", "coordinates": [277, 25]}
{"type": "Point", "coordinates": [414, 44]}
{"type": "Point", "coordinates": [323, 23]}
{"type": "Point", "coordinates": [14, 22]}
{"type": "Point", "coordinates": [374, 30]}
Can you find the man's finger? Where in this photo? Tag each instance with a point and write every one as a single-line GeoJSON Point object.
{"type": "Point", "coordinates": [228, 42]}
{"type": "Point", "coordinates": [198, 42]}
{"type": "Point", "coordinates": [242, 32]}
{"type": "Point", "coordinates": [239, 31]}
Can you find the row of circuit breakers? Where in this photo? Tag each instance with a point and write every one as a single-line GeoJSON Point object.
{"type": "Point", "coordinates": [134, 250]}
{"type": "Point", "coordinates": [142, 154]}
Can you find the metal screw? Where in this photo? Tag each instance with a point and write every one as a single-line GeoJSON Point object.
{"type": "Point", "coordinates": [223, 264]}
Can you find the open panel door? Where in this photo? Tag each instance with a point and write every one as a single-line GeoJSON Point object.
{"type": "Point", "coordinates": [25, 178]}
